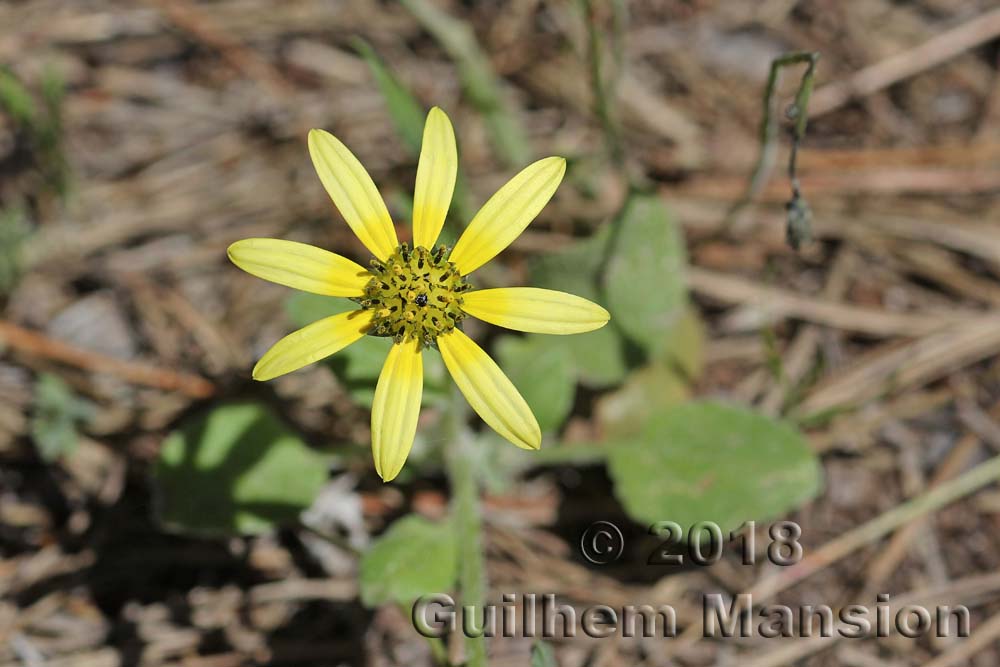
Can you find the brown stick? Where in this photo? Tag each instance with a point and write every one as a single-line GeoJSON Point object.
{"type": "Point", "coordinates": [883, 74]}
{"type": "Point", "coordinates": [780, 303]}
{"type": "Point", "coordinates": [40, 345]}
{"type": "Point", "coordinates": [888, 180]}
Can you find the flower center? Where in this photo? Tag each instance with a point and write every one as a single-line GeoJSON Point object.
{"type": "Point", "coordinates": [414, 294]}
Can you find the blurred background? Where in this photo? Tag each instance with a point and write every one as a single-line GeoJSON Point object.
{"type": "Point", "coordinates": [157, 507]}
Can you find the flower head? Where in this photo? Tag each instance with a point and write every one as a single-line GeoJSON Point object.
{"type": "Point", "coordinates": [419, 295]}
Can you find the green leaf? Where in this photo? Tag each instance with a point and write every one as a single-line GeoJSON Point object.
{"type": "Point", "coordinates": [598, 356]}
{"type": "Point", "coordinates": [644, 278]}
{"type": "Point", "coordinates": [57, 412]}
{"type": "Point", "coordinates": [408, 115]}
{"type": "Point", "coordinates": [362, 362]}
{"type": "Point", "coordinates": [414, 557]}
{"type": "Point", "coordinates": [479, 82]}
{"type": "Point", "coordinates": [400, 204]}
{"type": "Point", "coordinates": [543, 655]}
{"type": "Point", "coordinates": [646, 392]}
{"type": "Point", "coordinates": [14, 232]}
{"type": "Point", "coordinates": [683, 347]}
{"type": "Point", "coordinates": [542, 370]}
{"type": "Point", "coordinates": [16, 100]}
{"type": "Point", "coordinates": [708, 461]}
{"type": "Point", "coordinates": [304, 308]}
{"type": "Point", "coordinates": [574, 268]}
{"type": "Point", "coordinates": [406, 112]}
{"type": "Point", "coordinates": [235, 470]}
{"type": "Point", "coordinates": [53, 91]}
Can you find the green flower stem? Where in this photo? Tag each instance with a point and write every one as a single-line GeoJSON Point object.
{"type": "Point", "coordinates": [461, 468]}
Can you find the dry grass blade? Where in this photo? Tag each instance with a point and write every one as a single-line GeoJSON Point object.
{"type": "Point", "coordinates": [907, 365]}
{"type": "Point", "coordinates": [778, 304]}
{"type": "Point", "coordinates": [985, 634]}
{"type": "Point", "coordinates": [799, 356]}
{"type": "Point", "coordinates": [933, 499]}
{"type": "Point", "coordinates": [883, 74]}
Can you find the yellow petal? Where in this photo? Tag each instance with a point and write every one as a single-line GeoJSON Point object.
{"type": "Point", "coordinates": [312, 343]}
{"type": "Point", "coordinates": [535, 310]}
{"type": "Point", "coordinates": [488, 391]}
{"type": "Point", "coordinates": [300, 265]}
{"type": "Point", "coordinates": [436, 173]}
{"type": "Point", "coordinates": [396, 407]}
{"type": "Point", "coordinates": [353, 192]}
{"type": "Point", "coordinates": [507, 213]}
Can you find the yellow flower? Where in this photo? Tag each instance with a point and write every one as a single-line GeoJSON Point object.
{"type": "Point", "coordinates": [419, 295]}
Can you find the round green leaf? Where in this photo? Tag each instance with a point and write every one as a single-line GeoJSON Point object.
{"type": "Point", "coordinates": [542, 370]}
{"type": "Point", "coordinates": [236, 470]}
{"type": "Point", "coordinates": [708, 461]}
{"type": "Point", "coordinates": [683, 347]}
{"type": "Point", "coordinates": [304, 308]}
{"type": "Point", "coordinates": [413, 558]}
{"type": "Point", "coordinates": [647, 391]}
{"type": "Point", "coordinates": [598, 356]}
{"type": "Point", "coordinates": [644, 281]}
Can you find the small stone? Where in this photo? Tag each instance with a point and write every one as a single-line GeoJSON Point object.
{"type": "Point", "coordinates": [97, 323]}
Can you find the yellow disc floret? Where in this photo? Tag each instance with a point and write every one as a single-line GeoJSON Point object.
{"type": "Point", "coordinates": [415, 294]}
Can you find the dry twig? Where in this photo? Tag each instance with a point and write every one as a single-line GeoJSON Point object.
{"type": "Point", "coordinates": [40, 345]}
